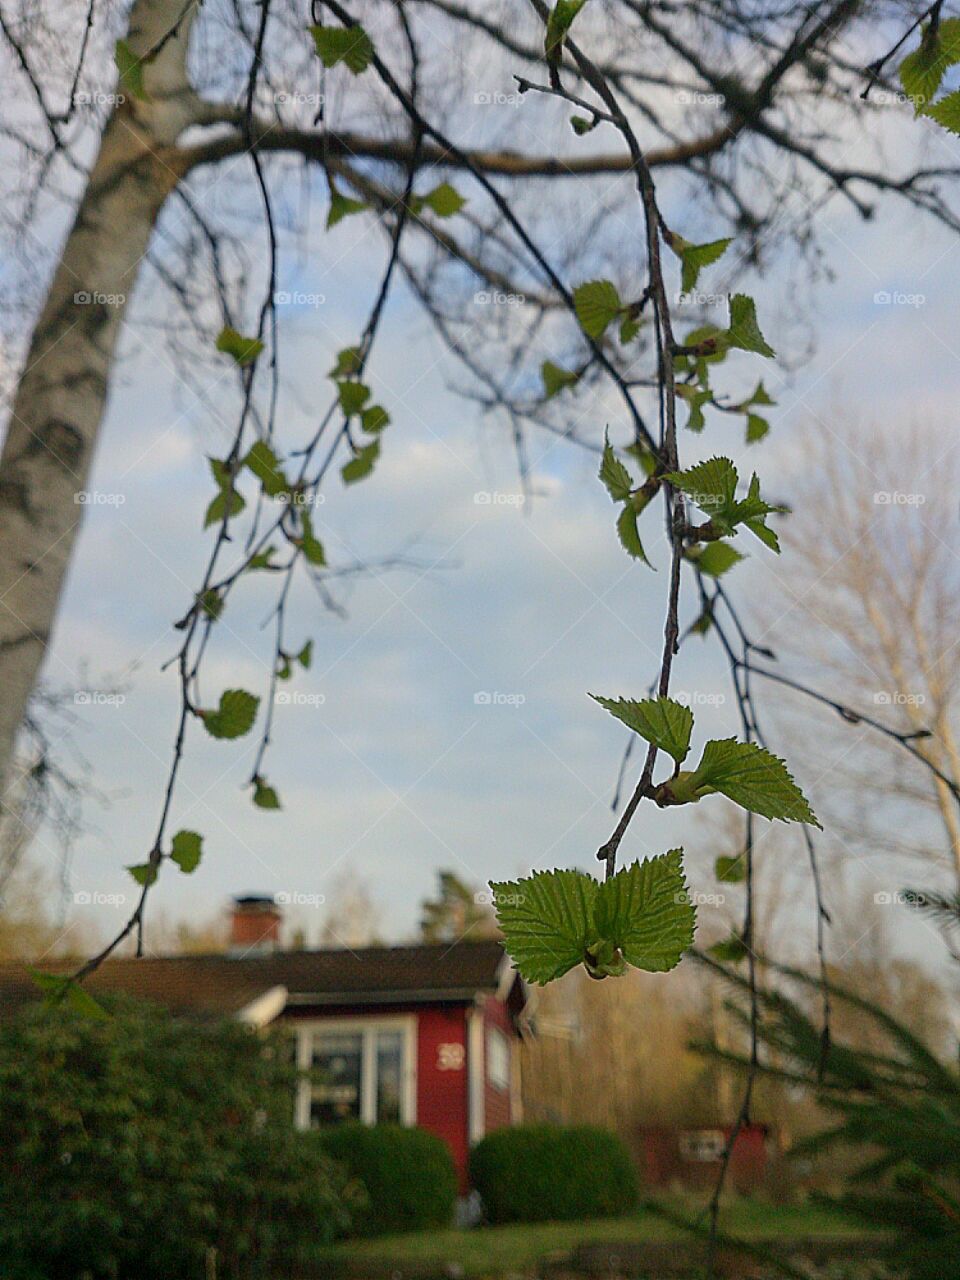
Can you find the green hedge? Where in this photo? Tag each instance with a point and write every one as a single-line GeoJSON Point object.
{"type": "Point", "coordinates": [408, 1176]}
{"type": "Point", "coordinates": [537, 1173]}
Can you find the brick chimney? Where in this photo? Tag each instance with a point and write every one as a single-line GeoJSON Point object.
{"type": "Point", "coordinates": [255, 921]}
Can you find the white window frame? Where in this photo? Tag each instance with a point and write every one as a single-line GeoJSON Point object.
{"type": "Point", "coordinates": [496, 1037]}
{"type": "Point", "coordinates": [368, 1028]}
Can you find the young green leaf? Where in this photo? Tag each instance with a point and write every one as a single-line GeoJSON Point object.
{"type": "Point", "coordinates": [226, 500]}
{"type": "Point", "coordinates": [361, 464]}
{"type": "Point", "coordinates": [262, 461]}
{"type": "Point", "coordinates": [731, 870]}
{"type": "Point", "coordinates": [353, 396]}
{"type": "Point", "coordinates": [305, 656]}
{"type": "Point", "coordinates": [145, 873]}
{"type": "Point", "coordinates": [922, 71]}
{"type": "Point", "coordinates": [696, 398]}
{"type": "Point", "coordinates": [131, 71]}
{"type": "Point", "coordinates": [444, 200]}
{"type": "Point", "coordinates": [757, 428]}
{"type": "Point", "coordinates": [694, 257]}
{"type": "Point", "coordinates": [309, 543]}
{"type": "Point", "coordinates": [661, 721]}
{"type": "Point", "coordinates": [716, 558]}
{"type": "Point", "coordinates": [555, 378]}
{"type": "Point", "coordinates": [348, 363]}
{"type": "Point", "coordinates": [186, 850]}
{"type": "Point", "coordinates": [645, 913]}
{"type": "Point", "coordinates": [753, 778]}
{"type": "Point", "coordinates": [597, 305]}
{"type": "Point", "coordinates": [615, 476]}
{"type": "Point", "coordinates": [629, 533]}
{"type": "Point", "coordinates": [349, 45]}
{"type": "Point", "coordinates": [60, 988]}
{"type": "Point", "coordinates": [264, 796]}
{"type": "Point", "coordinates": [243, 350]}
{"type": "Point", "coordinates": [374, 419]}
{"type": "Point", "coordinates": [342, 206]}
{"type": "Point", "coordinates": [235, 715]}
{"type": "Point", "coordinates": [559, 21]}
{"type": "Point", "coordinates": [712, 485]}
{"type": "Point", "coordinates": [730, 951]}
{"type": "Point", "coordinates": [744, 332]}
{"type": "Point", "coordinates": [946, 112]}
{"type": "Point", "coordinates": [547, 921]}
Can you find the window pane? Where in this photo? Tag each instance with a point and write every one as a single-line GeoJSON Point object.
{"type": "Point", "coordinates": [337, 1074]}
{"type": "Point", "coordinates": [389, 1076]}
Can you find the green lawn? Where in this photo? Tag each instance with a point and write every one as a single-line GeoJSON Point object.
{"type": "Point", "coordinates": [485, 1251]}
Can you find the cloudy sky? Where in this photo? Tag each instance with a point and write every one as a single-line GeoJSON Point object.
{"type": "Point", "coordinates": [444, 722]}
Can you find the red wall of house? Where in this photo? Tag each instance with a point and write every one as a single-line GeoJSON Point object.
{"type": "Point", "coordinates": [442, 1080]}
{"type": "Point", "coordinates": [497, 1110]}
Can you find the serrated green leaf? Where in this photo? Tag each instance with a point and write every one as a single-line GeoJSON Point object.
{"type": "Point", "coordinates": [342, 206]}
{"type": "Point", "coordinates": [597, 305]}
{"type": "Point", "coordinates": [946, 112]}
{"type": "Point", "coordinates": [629, 327]}
{"type": "Point", "coordinates": [59, 988]}
{"type": "Point", "coordinates": [353, 396]}
{"type": "Point", "coordinates": [922, 71]}
{"type": "Point", "coordinates": [131, 71]}
{"type": "Point", "coordinates": [731, 870]}
{"type": "Point", "coordinates": [662, 721]}
{"type": "Point", "coordinates": [374, 419]}
{"type": "Point", "coordinates": [243, 350]}
{"type": "Point", "coordinates": [186, 849]}
{"type": "Point", "coordinates": [349, 45]}
{"type": "Point", "coordinates": [361, 464]}
{"type": "Point", "coordinates": [695, 398]}
{"type": "Point", "coordinates": [712, 485]}
{"type": "Point", "coordinates": [694, 257]}
{"type": "Point", "coordinates": [263, 462]}
{"type": "Point", "coordinates": [717, 557]}
{"type": "Point", "coordinates": [646, 913]}
{"type": "Point", "coordinates": [235, 715]}
{"type": "Point", "coordinates": [628, 532]}
{"type": "Point", "coordinates": [547, 921]}
{"type": "Point", "coordinates": [616, 478]}
{"type": "Point", "coordinates": [555, 378]}
{"type": "Point", "coordinates": [265, 796]}
{"type": "Point", "coordinates": [753, 778]}
{"type": "Point", "coordinates": [744, 331]}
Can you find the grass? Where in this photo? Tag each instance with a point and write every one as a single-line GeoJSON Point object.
{"type": "Point", "coordinates": [483, 1251]}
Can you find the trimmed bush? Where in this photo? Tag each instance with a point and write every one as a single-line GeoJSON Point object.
{"type": "Point", "coordinates": [537, 1173]}
{"type": "Point", "coordinates": [407, 1174]}
{"type": "Point", "coordinates": [148, 1146]}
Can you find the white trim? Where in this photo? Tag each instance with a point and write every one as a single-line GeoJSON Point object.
{"type": "Point", "coordinates": [368, 1028]}
{"type": "Point", "coordinates": [475, 1075]}
{"type": "Point", "coordinates": [264, 1008]}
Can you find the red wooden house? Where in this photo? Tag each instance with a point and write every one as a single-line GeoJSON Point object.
{"type": "Point", "coordinates": [417, 1035]}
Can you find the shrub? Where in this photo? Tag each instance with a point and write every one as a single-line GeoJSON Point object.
{"type": "Point", "coordinates": [407, 1174]}
{"type": "Point", "coordinates": [135, 1145]}
{"type": "Point", "coordinates": [539, 1172]}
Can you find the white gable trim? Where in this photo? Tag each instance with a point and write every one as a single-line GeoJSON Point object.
{"type": "Point", "coordinates": [265, 1008]}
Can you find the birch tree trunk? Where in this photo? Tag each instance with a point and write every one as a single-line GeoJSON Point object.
{"type": "Point", "coordinates": [62, 395]}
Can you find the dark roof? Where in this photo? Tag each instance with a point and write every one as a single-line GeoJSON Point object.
{"type": "Point", "coordinates": [226, 984]}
